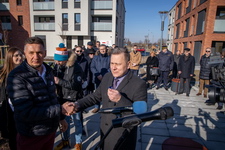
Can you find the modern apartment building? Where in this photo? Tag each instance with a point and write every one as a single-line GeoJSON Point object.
{"type": "Point", "coordinates": [199, 24]}
{"type": "Point", "coordinates": [171, 21]}
{"type": "Point", "coordinates": [72, 22]}
{"type": "Point", "coordinates": [75, 22]}
{"type": "Point", "coordinates": [14, 22]}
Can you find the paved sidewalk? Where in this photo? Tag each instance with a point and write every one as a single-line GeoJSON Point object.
{"type": "Point", "coordinates": [192, 119]}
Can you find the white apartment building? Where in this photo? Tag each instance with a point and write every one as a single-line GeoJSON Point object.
{"type": "Point", "coordinates": [171, 21]}
{"type": "Point", "coordinates": [76, 22]}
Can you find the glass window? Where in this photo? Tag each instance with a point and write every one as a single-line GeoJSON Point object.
{"type": "Point", "coordinates": [19, 2]}
{"type": "Point", "coordinates": [76, 3]}
{"type": "Point", "coordinates": [65, 18]}
{"type": "Point", "coordinates": [20, 20]}
{"type": "Point", "coordinates": [64, 3]}
{"type": "Point", "coordinates": [5, 19]}
{"type": "Point", "coordinates": [77, 18]}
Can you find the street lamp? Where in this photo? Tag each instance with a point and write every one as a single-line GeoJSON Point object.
{"type": "Point", "coordinates": [163, 15]}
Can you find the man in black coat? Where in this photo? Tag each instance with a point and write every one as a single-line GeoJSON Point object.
{"type": "Point", "coordinates": [205, 70]}
{"type": "Point", "coordinates": [186, 68]}
{"type": "Point", "coordinates": [129, 88]}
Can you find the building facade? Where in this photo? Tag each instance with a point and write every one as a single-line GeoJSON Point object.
{"type": "Point", "coordinates": [76, 22]}
{"type": "Point", "coordinates": [73, 22]}
{"type": "Point", "coordinates": [14, 22]}
{"type": "Point", "coordinates": [171, 21]}
{"type": "Point", "coordinates": [199, 24]}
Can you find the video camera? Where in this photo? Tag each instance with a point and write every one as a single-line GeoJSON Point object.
{"type": "Point", "coordinates": [217, 87]}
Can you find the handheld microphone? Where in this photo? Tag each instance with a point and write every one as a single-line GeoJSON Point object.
{"type": "Point", "coordinates": [134, 120]}
{"type": "Point", "coordinates": [138, 107]}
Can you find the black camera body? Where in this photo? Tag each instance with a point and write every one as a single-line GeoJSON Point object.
{"type": "Point", "coordinates": [217, 87]}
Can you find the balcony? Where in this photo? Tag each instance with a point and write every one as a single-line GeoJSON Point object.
{"type": "Point", "coordinates": [6, 26]}
{"type": "Point", "coordinates": [43, 6]}
{"type": "Point", "coordinates": [42, 26]}
{"type": "Point", "coordinates": [102, 5]}
{"type": "Point", "coordinates": [4, 6]}
{"type": "Point", "coordinates": [219, 25]}
{"type": "Point", "coordinates": [101, 26]}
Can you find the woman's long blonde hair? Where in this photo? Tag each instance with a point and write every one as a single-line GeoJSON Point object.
{"type": "Point", "coordinates": [8, 64]}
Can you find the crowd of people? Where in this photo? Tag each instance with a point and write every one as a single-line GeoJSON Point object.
{"type": "Point", "coordinates": [37, 99]}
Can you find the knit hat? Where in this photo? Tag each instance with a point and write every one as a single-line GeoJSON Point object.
{"type": "Point", "coordinates": [61, 53]}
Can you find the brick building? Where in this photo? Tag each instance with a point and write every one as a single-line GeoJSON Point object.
{"type": "Point", "coordinates": [199, 24]}
{"type": "Point", "coordinates": [14, 22]}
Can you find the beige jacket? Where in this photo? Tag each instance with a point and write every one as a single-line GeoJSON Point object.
{"type": "Point", "coordinates": [135, 58]}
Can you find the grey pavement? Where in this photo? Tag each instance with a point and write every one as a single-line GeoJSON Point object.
{"type": "Point", "coordinates": [192, 119]}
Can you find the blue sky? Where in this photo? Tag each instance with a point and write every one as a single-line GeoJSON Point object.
{"type": "Point", "coordinates": [142, 18]}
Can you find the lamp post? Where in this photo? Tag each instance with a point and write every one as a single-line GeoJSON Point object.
{"type": "Point", "coordinates": [163, 15]}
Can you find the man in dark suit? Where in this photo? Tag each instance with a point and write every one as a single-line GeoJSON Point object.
{"type": "Point", "coordinates": [129, 88]}
{"type": "Point", "coordinates": [186, 68]}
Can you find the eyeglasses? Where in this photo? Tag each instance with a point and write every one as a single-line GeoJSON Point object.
{"type": "Point", "coordinates": [17, 55]}
{"type": "Point", "coordinates": [78, 51]}
{"type": "Point", "coordinates": [207, 51]}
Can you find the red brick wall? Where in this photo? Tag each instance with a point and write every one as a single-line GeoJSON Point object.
{"type": "Point", "coordinates": [208, 36]}
{"type": "Point", "coordinates": [18, 34]}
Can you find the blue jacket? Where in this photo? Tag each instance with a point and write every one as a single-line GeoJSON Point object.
{"type": "Point", "coordinates": [100, 65]}
{"type": "Point", "coordinates": [36, 108]}
{"type": "Point", "coordinates": [166, 61]}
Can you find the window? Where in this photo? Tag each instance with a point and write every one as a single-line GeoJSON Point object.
{"type": "Point", "coordinates": [76, 3]}
{"type": "Point", "coordinates": [20, 20]}
{"type": "Point", "coordinates": [201, 22]}
{"type": "Point", "coordinates": [179, 7]}
{"type": "Point", "coordinates": [220, 13]}
{"type": "Point", "coordinates": [197, 51]}
{"type": "Point", "coordinates": [77, 21]}
{"type": "Point", "coordinates": [46, 19]}
{"type": "Point", "coordinates": [18, 2]}
{"type": "Point", "coordinates": [4, 1]}
{"type": "Point", "coordinates": [178, 31]}
{"type": "Point", "coordinates": [65, 21]}
{"type": "Point", "coordinates": [102, 19]}
{"type": "Point", "coordinates": [64, 3]}
{"type": "Point", "coordinates": [202, 1]}
{"type": "Point", "coordinates": [187, 21]}
{"type": "Point", "coordinates": [5, 19]}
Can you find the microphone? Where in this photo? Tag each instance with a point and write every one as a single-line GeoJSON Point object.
{"type": "Point", "coordinates": [134, 120]}
{"type": "Point", "coordinates": [137, 107]}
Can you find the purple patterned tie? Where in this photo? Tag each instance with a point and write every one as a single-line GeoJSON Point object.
{"type": "Point", "coordinates": [115, 82]}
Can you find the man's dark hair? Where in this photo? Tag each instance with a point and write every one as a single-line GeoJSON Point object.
{"type": "Point", "coordinates": [118, 50]}
{"type": "Point", "coordinates": [34, 40]}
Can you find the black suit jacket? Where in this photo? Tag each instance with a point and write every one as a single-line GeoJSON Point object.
{"type": "Point", "coordinates": [132, 88]}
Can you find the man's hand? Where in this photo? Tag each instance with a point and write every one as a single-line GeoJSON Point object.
{"type": "Point", "coordinates": [134, 64]}
{"type": "Point", "coordinates": [179, 72]}
{"type": "Point", "coordinates": [191, 75]}
{"type": "Point", "coordinates": [114, 95]}
{"type": "Point", "coordinates": [56, 80]}
{"type": "Point", "coordinates": [63, 125]}
{"type": "Point", "coordinates": [68, 108]}
{"type": "Point", "coordinates": [99, 77]}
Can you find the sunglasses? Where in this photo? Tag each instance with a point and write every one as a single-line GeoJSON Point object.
{"type": "Point", "coordinates": [207, 51]}
{"type": "Point", "coordinates": [78, 51]}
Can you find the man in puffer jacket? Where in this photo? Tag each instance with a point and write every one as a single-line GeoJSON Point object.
{"type": "Point", "coordinates": [205, 70]}
{"type": "Point", "coordinates": [31, 90]}
{"type": "Point", "coordinates": [69, 81]}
